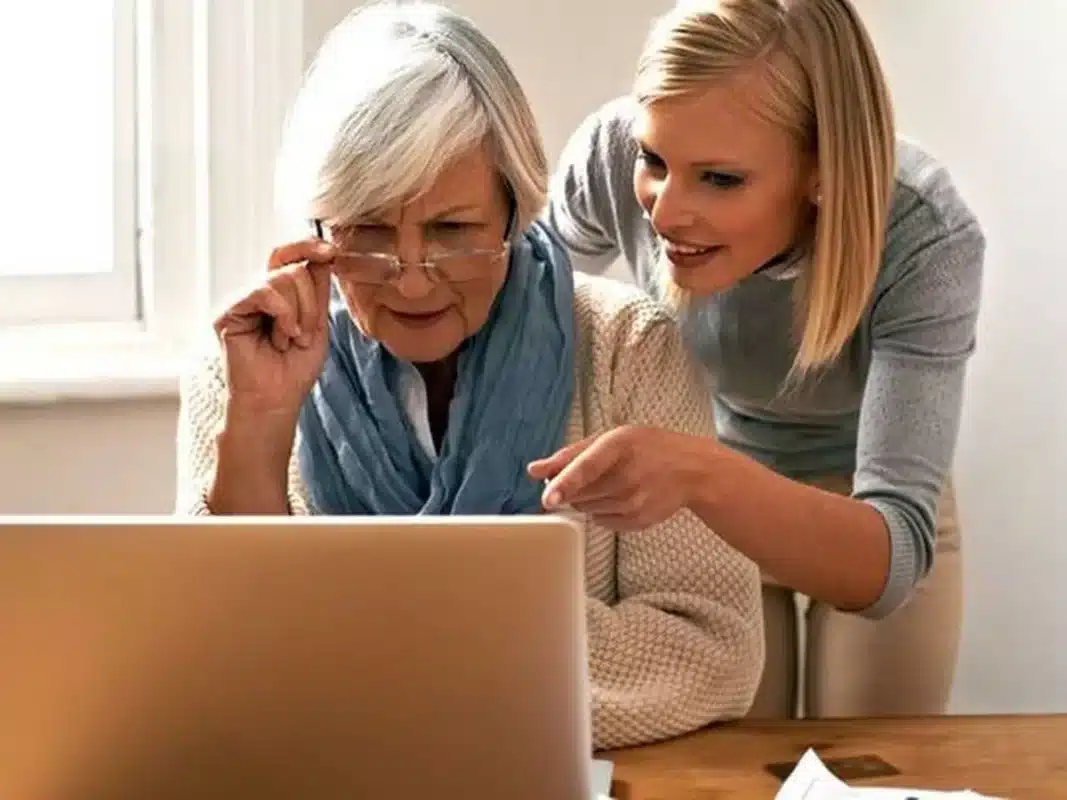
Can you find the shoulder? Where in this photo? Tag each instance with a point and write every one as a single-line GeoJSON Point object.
{"type": "Point", "coordinates": [602, 147]}
{"type": "Point", "coordinates": [927, 202]}
{"type": "Point", "coordinates": [609, 128]}
{"type": "Point", "coordinates": [632, 363]}
{"type": "Point", "coordinates": [618, 315]}
{"type": "Point", "coordinates": [931, 224]}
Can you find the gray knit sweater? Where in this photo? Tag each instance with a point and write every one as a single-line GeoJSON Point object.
{"type": "Point", "coordinates": [888, 410]}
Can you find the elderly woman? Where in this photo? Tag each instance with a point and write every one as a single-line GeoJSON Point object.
{"type": "Point", "coordinates": [430, 341]}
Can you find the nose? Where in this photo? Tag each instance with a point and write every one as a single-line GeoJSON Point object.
{"type": "Point", "coordinates": [409, 244]}
{"type": "Point", "coordinates": [413, 282]}
{"type": "Point", "coordinates": [667, 206]}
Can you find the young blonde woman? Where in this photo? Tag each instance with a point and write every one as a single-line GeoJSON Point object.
{"type": "Point", "coordinates": [828, 277]}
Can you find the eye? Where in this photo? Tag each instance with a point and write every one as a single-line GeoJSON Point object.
{"type": "Point", "coordinates": [454, 231]}
{"type": "Point", "coordinates": [722, 180]}
{"type": "Point", "coordinates": [650, 159]}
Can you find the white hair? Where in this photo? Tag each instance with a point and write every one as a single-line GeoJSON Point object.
{"type": "Point", "coordinates": [398, 91]}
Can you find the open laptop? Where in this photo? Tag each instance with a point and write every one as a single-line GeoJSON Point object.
{"type": "Point", "coordinates": [307, 659]}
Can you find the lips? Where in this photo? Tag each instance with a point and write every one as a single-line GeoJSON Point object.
{"type": "Point", "coordinates": [418, 320]}
{"type": "Point", "coordinates": [684, 254]}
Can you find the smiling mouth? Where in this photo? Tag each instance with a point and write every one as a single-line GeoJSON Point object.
{"type": "Point", "coordinates": [688, 255]}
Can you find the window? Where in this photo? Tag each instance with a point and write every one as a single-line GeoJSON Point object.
{"type": "Point", "coordinates": [138, 186]}
{"type": "Point", "coordinates": [68, 165]}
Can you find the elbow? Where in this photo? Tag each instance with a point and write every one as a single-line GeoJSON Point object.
{"type": "Point", "coordinates": [714, 683]}
{"type": "Point", "coordinates": [912, 535]}
{"type": "Point", "coordinates": [732, 678]}
{"type": "Point", "coordinates": [742, 674]}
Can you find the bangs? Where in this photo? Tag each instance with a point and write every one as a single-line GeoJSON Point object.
{"type": "Point", "coordinates": [396, 146]}
{"type": "Point", "coordinates": [397, 93]}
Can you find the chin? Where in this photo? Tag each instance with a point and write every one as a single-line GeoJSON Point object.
{"type": "Point", "coordinates": [684, 283]}
{"type": "Point", "coordinates": [420, 353]}
{"type": "Point", "coordinates": [698, 283]}
{"type": "Point", "coordinates": [424, 346]}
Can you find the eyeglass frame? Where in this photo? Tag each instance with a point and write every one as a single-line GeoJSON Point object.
{"type": "Point", "coordinates": [429, 266]}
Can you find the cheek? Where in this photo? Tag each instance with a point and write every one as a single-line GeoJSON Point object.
{"type": "Point", "coordinates": [361, 306]}
{"type": "Point", "coordinates": [476, 300]}
{"type": "Point", "coordinates": [757, 217]}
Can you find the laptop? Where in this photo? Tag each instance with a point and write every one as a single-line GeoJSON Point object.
{"type": "Point", "coordinates": [304, 659]}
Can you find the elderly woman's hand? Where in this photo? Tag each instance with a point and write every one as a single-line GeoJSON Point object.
{"type": "Point", "coordinates": [628, 478]}
{"type": "Point", "coordinates": [275, 338]}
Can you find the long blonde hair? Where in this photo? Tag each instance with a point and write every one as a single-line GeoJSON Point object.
{"type": "Point", "coordinates": [824, 84]}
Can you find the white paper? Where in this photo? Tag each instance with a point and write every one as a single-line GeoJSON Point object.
{"type": "Point", "coordinates": [811, 780]}
{"type": "Point", "coordinates": [600, 778]}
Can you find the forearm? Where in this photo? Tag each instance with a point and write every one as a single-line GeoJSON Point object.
{"type": "Point", "coordinates": [251, 473]}
{"type": "Point", "coordinates": [827, 546]}
{"type": "Point", "coordinates": [668, 663]}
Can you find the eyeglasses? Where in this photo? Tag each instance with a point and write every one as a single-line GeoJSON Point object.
{"type": "Point", "coordinates": [453, 266]}
{"type": "Point", "coordinates": [440, 265]}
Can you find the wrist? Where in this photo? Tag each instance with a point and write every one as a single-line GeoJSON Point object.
{"type": "Point", "coordinates": [260, 442]}
{"type": "Point", "coordinates": [703, 473]}
{"type": "Point", "coordinates": [252, 470]}
{"type": "Point", "coordinates": [245, 414]}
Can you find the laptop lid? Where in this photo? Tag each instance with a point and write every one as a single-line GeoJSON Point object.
{"type": "Point", "coordinates": [292, 658]}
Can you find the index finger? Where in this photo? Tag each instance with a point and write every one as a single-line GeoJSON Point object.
{"type": "Point", "coordinates": [550, 466]}
{"type": "Point", "coordinates": [595, 461]}
{"type": "Point", "coordinates": [313, 251]}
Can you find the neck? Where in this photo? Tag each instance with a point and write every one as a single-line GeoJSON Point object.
{"type": "Point", "coordinates": [778, 260]}
{"type": "Point", "coordinates": [440, 380]}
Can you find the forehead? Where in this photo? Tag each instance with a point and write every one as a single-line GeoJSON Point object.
{"type": "Point", "coordinates": [720, 124]}
{"type": "Point", "coordinates": [470, 179]}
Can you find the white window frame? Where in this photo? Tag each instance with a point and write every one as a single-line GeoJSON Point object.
{"type": "Point", "coordinates": [102, 296]}
{"type": "Point", "coordinates": [214, 83]}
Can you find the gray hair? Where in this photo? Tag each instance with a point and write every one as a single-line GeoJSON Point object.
{"type": "Point", "coordinates": [397, 91]}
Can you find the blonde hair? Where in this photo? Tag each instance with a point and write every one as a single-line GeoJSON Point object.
{"type": "Point", "coordinates": [396, 93]}
{"type": "Point", "coordinates": [823, 83]}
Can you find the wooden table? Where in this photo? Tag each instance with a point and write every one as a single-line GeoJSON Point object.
{"type": "Point", "coordinates": [1017, 757]}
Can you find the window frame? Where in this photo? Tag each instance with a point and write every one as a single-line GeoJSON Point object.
{"type": "Point", "coordinates": [101, 296]}
{"type": "Point", "coordinates": [214, 83]}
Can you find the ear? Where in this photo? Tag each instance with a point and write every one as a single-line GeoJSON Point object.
{"type": "Point", "coordinates": [814, 189]}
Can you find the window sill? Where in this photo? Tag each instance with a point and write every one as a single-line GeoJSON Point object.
{"type": "Point", "coordinates": [58, 364]}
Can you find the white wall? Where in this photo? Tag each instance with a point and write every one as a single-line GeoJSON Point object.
{"type": "Point", "coordinates": [979, 82]}
{"type": "Point", "coordinates": [88, 458]}
{"type": "Point", "coordinates": [983, 83]}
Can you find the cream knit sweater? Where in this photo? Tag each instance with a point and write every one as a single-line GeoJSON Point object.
{"type": "Point", "coordinates": [675, 622]}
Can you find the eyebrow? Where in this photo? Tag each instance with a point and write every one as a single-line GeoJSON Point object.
{"type": "Point", "coordinates": [456, 209]}
{"type": "Point", "coordinates": [730, 166]}
{"type": "Point", "coordinates": [377, 219]}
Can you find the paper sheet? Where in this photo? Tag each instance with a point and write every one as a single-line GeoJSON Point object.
{"type": "Point", "coordinates": [600, 779]}
{"type": "Point", "coordinates": [811, 780]}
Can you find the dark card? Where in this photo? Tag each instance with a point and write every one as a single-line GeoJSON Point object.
{"type": "Point", "coordinates": [847, 769]}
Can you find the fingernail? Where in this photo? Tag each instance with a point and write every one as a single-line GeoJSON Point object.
{"type": "Point", "coordinates": [324, 248]}
{"type": "Point", "coordinates": [553, 499]}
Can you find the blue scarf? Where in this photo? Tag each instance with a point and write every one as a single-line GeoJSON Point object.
{"type": "Point", "coordinates": [515, 379]}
